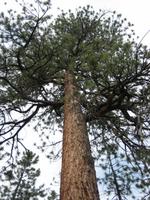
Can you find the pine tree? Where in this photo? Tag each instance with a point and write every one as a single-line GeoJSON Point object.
{"type": "Point", "coordinates": [19, 182]}
{"type": "Point", "coordinates": [85, 71]}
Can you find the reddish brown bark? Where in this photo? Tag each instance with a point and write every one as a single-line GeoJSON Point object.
{"type": "Point", "coordinates": [78, 178]}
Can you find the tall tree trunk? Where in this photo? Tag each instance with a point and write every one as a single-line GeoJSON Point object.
{"type": "Point", "coordinates": [78, 177]}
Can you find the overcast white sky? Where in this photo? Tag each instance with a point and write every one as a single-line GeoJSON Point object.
{"type": "Point", "coordinates": [136, 11]}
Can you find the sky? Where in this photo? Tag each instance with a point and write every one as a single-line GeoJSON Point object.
{"type": "Point", "coordinates": [136, 11]}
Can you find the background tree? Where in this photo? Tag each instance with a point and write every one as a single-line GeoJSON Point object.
{"type": "Point", "coordinates": [53, 196]}
{"type": "Point", "coordinates": [19, 181]}
{"type": "Point", "coordinates": [111, 75]}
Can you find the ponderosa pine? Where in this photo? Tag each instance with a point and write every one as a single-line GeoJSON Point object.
{"type": "Point", "coordinates": [105, 95]}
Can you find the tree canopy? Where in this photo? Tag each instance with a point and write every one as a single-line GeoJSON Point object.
{"type": "Point", "coordinates": [112, 73]}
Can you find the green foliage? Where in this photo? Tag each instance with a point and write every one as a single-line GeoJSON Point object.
{"type": "Point", "coordinates": [19, 182]}
{"type": "Point", "coordinates": [53, 196]}
{"type": "Point", "coordinates": [112, 73]}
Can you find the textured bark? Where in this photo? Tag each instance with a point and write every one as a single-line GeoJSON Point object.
{"type": "Point", "coordinates": [78, 177]}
